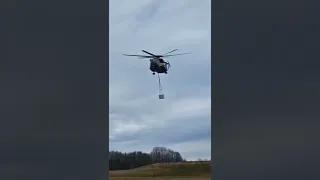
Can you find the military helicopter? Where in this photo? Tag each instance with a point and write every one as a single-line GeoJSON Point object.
{"type": "Point", "coordinates": [157, 64]}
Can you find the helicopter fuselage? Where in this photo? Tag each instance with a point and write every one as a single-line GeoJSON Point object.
{"type": "Point", "coordinates": [158, 65]}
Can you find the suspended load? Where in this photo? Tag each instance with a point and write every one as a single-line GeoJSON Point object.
{"type": "Point", "coordinates": [161, 95]}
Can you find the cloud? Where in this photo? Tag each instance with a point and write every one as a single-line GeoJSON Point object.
{"type": "Point", "coordinates": [138, 120]}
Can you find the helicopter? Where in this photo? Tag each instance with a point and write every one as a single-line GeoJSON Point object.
{"type": "Point", "coordinates": [157, 64]}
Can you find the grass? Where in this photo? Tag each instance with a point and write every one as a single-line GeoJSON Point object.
{"type": "Point", "coordinates": [175, 171]}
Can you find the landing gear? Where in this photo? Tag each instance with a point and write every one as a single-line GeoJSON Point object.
{"type": "Point", "coordinates": [166, 72]}
{"type": "Point", "coordinates": [153, 73]}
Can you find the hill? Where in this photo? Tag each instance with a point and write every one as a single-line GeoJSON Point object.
{"type": "Point", "coordinates": [173, 170]}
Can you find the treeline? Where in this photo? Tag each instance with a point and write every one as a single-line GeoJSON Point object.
{"type": "Point", "coordinates": [125, 161]}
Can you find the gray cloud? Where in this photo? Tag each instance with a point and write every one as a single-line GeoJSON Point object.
{"type": "Point", "coordinates": [138, 119]}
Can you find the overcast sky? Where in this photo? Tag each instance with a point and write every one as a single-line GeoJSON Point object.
{"type": "Point", "coordinates": [140, 121]}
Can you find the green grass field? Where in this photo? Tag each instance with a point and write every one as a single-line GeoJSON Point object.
{"type": "Point", "coordinates": [176, 171]}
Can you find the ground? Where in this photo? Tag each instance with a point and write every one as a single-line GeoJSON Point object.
{"type": "Point", "coordinates": [173, 171]}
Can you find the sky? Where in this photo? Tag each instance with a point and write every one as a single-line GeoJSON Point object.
{"type": "Point", "coordinates": [138, 120]}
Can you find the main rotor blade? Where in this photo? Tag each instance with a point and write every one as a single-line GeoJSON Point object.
{"type": "Point", "coordinates": [176, 54]}
{"type": "Point", "coordinates": [170, 52]}
{"type": "Point", "coordinates": [140, 56]}
{"type": "Point", "coordinates": [149, 53]}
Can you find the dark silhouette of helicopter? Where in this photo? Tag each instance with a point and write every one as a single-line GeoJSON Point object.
{"type": "Point", "coordinates": [157, 64]}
